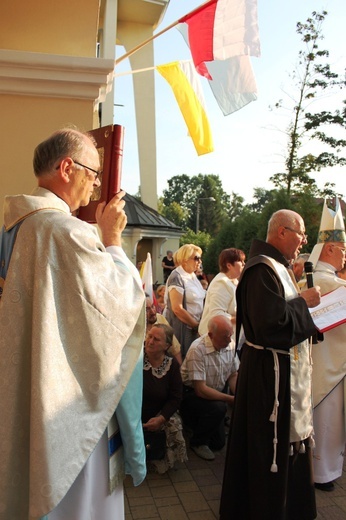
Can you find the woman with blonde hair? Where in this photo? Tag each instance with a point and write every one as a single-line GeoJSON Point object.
{"type": "Point", "coordinates": [185, 296]}
{"type": "Point", "coordinates": [160, 298]}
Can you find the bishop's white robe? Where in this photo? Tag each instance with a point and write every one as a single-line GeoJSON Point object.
{"type": "Point", "coordinates": [328, 384]}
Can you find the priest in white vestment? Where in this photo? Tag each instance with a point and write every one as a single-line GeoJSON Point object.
{"type": "Point", "coordinates": [72, 324]}
{"type": "Point", "coordinates": [329, 356]}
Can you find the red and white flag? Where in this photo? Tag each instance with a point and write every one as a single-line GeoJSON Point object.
{"type": "Point", "coordinates": [233, 82]}
{"type": "Point", "coordinates": [222, 29]}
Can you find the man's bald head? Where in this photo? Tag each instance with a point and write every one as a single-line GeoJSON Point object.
{"type": "Point", "coordinates": [220, 330]}
{"type": "Point", "coordinates": [286, 232]}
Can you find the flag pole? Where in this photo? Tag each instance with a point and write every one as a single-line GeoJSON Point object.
{"type": "Point", "coordinates": [146, 69]}
{"type": "Point", "coordinates": [143, 44]}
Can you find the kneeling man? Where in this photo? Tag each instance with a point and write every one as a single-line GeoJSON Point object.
{"type": "Point", "coordinates": [208, 372]}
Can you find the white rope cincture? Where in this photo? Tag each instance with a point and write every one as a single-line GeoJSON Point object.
{"type": "Point", "coordinates": [302, 447]}
{"type": "Point", "coordinates": [274, 415]}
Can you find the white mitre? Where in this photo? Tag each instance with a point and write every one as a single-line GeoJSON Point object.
{"type": "Point", "coordinates": [332, 229]}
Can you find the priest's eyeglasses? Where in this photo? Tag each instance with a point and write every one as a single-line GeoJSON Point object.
{"type": "Point", "coordinates": [302, 235]}
{"type": "Point", "coordinates": [97, 174]}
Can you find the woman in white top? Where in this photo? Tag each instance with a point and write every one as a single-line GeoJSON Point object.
{"type": "Point", "coordinates": [220, 297]}
{"type": "Point", "coordinates": [185, 296]}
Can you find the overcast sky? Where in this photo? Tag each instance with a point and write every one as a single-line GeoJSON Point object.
{"type": "Point", "coordinates": [249, 144]}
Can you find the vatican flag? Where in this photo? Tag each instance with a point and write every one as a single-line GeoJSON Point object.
{"type": "Point", "coordinates": [186, 86]}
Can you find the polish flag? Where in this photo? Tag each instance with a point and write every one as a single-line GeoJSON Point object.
{"type": "Point", "coordinates": [222, 29]}
{"type": "Point", "coordinates": [233, 82]}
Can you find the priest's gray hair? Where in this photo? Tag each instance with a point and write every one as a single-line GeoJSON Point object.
{"type": "Point", "coordinates": [67, 142]}
{"type": "Point", "coordinates": [283, 217]}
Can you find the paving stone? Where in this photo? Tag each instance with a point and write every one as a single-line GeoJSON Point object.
{"type": "Point", "coordinates": [201, 472]}
{"type": "Point", "coordinates": [218, 470]}
{"type": "Point", "coordinates": [177, 466]}
{"type": "Point", "coordinates": [167, 501]}
{"type": "Point", "coordinates": [202, 515]}
{"type": "Point", "coordinates": [155, 476]}
{"type": "Point", "coordinates": [193, 501]}
{"type": "Point", "coordinates": [340, 501]}
{"type": "Point", "coordinates": [127, 509]}
{"type": "Point", "coordinates": [141, 501]}
{"type": "Point", "coordinates": [331, 513]}
{"type": "Point", "coordinates": [128, 481]}
{"type": "Point", "coordinates": [323, 498]}
{"type": "Point", "coordinates": [191, 491]}
{"type": "Point", "coordinates": [164, 491]}
{"type": "Point", "coordinates": [140, 491]}
{"type": "Point", "coordinates": [172, 513]}
{"type": "Point", "coordinates": [144, 512]}
{"type": "Point", "coordinates": [181, 475]}
{"type": "Point", "coordinates": [207, 480]}
{"type": "Point", "coordinates": [211, 492]}
{"type": "Point", "coordinates": [215, 506]}
{"type": "Point", "coordinates": [196, 463]}
{"type": "Point", "coordinates": [186, 487]}
{"type": "Point", "coordinates": [163, 481]}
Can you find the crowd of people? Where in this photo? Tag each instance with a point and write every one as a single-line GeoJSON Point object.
{"type": "Point", "coordinates": [98, 380]}
{"type": "Point", "coordinates": [283, 389]}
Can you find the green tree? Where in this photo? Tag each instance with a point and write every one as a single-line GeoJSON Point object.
{"type": "Point", "coordinates": [224, 239]}
{"type": "Point", "coordinates": [236, 205]}
{"type": "Point", "coordinates": [312, 77]}
{"type": "Point", "coordinates": [200, 239]}
{"type": "Point", "coordinates": [185, 191]}
{"type": "Point", "coordinates": [317, 122]}
{"type": "Point", "coordinates": [174, 212]}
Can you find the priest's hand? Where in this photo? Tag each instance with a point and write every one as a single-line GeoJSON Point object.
{"type": "Point", "coordinates": [111, 219]}
{"type": "Point", "coordinates": [312, 296]}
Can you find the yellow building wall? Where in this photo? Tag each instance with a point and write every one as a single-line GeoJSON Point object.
{"type": "Point", "coordinates": [26, 121]}
{"type": "Point", "coordinates": [66, 27]}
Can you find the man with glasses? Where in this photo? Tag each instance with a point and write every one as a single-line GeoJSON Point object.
{"type": "Point", "coordinates": [329, 356]}
{"type": "Point", "coordinates": [268, 469]}
{"type": "Point", "coordinates": [71, 336]}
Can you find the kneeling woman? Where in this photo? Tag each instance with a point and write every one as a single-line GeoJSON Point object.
{"type": "Point", "coordinates": [162, 394]}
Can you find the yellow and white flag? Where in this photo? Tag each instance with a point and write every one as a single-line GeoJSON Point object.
{"type": "Point", "coordinates": [186, 86]}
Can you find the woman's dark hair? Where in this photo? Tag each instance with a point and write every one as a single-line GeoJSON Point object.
{"type": "Point", "coordinates": [230, 256]}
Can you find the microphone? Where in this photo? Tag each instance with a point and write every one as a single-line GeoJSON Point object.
{"type": "Point", "coordinates": [309, 268]}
